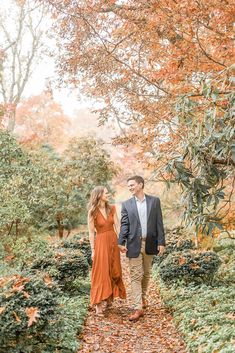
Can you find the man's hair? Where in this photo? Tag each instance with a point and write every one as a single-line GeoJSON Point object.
{"type": "Point", "coordinates": [137, 178]}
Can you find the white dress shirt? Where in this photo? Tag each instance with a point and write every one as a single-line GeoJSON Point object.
{"type": "Point", "coordinates": [142, 211]}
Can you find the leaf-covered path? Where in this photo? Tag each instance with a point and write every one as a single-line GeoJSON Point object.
{"type": "Point", "coordinates": [114, 333]}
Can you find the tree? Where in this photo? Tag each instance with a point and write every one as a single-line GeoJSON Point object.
{"type": "Point", "coordinates": [88, 164]}
{"type": "Point", "coordinates": [163, 71]}
{"type": "Point", "coordinates": [14, 185]}
{"type": "Point", "coordinates": [48, 191]}
{"type": "Point", "coordinates": [41, 120]}
{"type": "Point", "coordinates": [21, 24]}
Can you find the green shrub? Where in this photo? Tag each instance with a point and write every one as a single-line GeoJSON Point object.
{"type": "Point", "coordinates": [64, 267]}
{"type": "Point", "coordinates": [25, 250]}
{"type": "Point", "coordinates": [28, 307]}
{"type": "Point", "coordinates": [58, 318]}
{"type": "Point", "coordinates": [226, 250]}
{"type": "Point", "coordinates": [174, 245]}
{"type": "Point", "coordinates": [190, 266]}
{"type": "Point", "coordinates": [207, 320]}
{"type": "Point", "coordinates": [205, 313]}
{"type": "Point", "coordinates": [82, 243]}
{"type": "Point", "coordinates": [70, 322]}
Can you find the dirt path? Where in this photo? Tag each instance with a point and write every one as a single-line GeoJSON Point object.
{"type": "Point", "coordinates": [114, 333]}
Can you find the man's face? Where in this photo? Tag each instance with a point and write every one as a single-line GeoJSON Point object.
{"type": "Point", "coordinates": [134, 187]}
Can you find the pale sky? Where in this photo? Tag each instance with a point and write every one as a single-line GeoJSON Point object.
{"type": "Point", "coordinates": [66, 97]}
{"type": "Point", "coordinates": [45, 69]}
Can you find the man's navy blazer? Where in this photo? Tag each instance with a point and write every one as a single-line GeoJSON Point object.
{"type": "Point", "coordinates": [130, 231]}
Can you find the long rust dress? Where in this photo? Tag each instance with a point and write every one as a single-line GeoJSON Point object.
{"type": "Point", "coordinates": [106, 276]}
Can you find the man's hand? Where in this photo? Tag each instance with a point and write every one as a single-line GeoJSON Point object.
{"type": "Point", "coordinates": [161, 249]}
{"type": "Point", "coordinates": [122, 248]}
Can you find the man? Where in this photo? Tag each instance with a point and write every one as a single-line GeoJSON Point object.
{"type": "Point", "coordinates": [141, 236]}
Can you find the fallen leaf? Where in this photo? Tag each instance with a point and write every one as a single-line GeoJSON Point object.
{"type": "Point", "coordinates": [9, 257]}
{"type": "Point", "coordinates": [2, 308]}
{"type": "Point", "coordinates": [182, 260]}
{"type": "Point", "coordinates": [194, 266]}
{"type": "Point", "coordinates": [231, 316]}
{"type": "Point", "coordinates": [18, 286]}
{"type": "Point", "coordinates": [26, 294]}
{"type": "Point", "coordinates": [48, 280]}
{"type": "Point", "coordinates": [16, 317]}
{"type": "Point", "coordinates": [33, 315]}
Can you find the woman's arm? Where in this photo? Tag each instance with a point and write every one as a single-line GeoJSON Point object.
{"type": "Point", "coordinates": [116, 222]}
{"type": "Point", "coordinates": [91, 229]}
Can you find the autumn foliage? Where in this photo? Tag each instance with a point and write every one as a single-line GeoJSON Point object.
{"type": "Point", "coordinates": [41, 120]}
{"type": "Point", "coordinates": [161, 70]}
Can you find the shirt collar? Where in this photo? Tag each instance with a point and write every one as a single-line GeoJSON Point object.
{"type": "Point", "coordinates": [137, 200]}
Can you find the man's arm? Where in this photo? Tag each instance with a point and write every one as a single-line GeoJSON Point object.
{"type": "Point", "coordinates": [124, 229]}
{"type": "Point", "coordinates": [160, 228]}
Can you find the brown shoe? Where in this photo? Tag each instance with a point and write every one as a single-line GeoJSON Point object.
{"type": "Point", "coordinates": [136, 315]}
{"type": "Point", "coordinates": [144, 303]}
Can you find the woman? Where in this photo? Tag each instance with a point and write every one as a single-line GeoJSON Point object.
{"type": "Point", "coordinates": [106, 277]}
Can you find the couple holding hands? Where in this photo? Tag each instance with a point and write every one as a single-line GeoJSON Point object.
{"type": "Point", "coordinates": [141, 236]}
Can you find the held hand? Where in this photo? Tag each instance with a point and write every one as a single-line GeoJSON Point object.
{"type": "Point", "coordinates": [122, 248]}
{"type": "Point", "coordinates": [161, 249]}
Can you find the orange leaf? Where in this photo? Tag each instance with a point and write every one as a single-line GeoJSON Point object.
{"type": "Point", "coordinates": [2, 308]}
{"type": "Point", "coordinates": [33, 314]}
{"type": "Point", "coordinates": [26, 294]}
{"type": "Point", "coordinates": [194, 266]}
{"type": "Point", "coordinates": [16, 316]}
{"type": "Point", "coordinates": [9, 257]}
{"type": "Point", "coordinates": [47, 280]}
{"type": "Point", "coordinates": [19, 285]}
{"type": "Point", "coordinates": [182, 261]}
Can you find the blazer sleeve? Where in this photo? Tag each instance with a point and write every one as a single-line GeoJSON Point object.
{"type": "Point", "coordinates": [160, 228]}
{"type": "Point", "coordinates": [125, 224]}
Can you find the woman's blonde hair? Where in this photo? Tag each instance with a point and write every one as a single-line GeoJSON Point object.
{"type": "Point", "coordinates": [94, 201]}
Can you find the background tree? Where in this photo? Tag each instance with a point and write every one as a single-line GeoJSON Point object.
{"type": "Point", "coordinates": [41, 120]}
{"type": "Point", "coordinates": [22, 31]}
{"type": "Point", "coordinates": [163, 71]}
{"type": "Point", "coordinates": [45, 191]}
{"type": "Point", "coordinates": [88, 164]}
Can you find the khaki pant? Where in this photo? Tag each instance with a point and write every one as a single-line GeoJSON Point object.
{"type": "Point", "coordinates": [140, 271]}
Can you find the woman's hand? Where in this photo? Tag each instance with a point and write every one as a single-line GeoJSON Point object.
{"type": "Point", "coordinates": [122, 248]}
{"type": "Point", "coordinates": [92, 254]}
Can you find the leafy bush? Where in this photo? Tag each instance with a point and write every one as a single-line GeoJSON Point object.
{"type": "Point", "coordinates": [36, 317]}
{"type": "Point", "coordinates": [80, 242]}
{"type": "Point", "coordinates": [175, 243]}
{"type": "Point", "coordinates": [28, 307]}
{"type": "Point", "coordinates": [65, 267]}
{"type": "Point", "coordinates": [70, 322]}
{"type": "Point", "coordinates": [189, 266]}
{"type": "Point", "coordinates": [25, 250]}
{"type": "Point", "coordinates": [226, 250]}
{"type": "Point", "coordinates": [207, 321]}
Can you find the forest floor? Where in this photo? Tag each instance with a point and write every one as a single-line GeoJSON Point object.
{"type": "Point", "coordinates": [114, 333]}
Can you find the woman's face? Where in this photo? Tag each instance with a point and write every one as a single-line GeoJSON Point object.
{"type": "Point", "coordinates": [105, 196]}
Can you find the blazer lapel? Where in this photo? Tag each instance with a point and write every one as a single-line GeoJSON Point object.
{"type": "Point", "coordinates": [149, 205]}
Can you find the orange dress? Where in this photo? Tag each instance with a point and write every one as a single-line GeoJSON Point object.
{"type": "Point", "coordinates": [106, 276]}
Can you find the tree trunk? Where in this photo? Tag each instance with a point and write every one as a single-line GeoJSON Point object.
{"type": "Point", "coordinates": [60, 227]}
{"type": "Point", "coordinates": [11, 120]}
{"type": "Point", "coordinates": [10, 228]}
{"type": "Point", "coordinates": [17, 227]}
